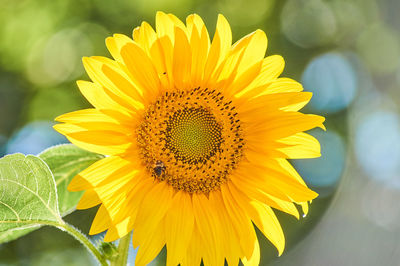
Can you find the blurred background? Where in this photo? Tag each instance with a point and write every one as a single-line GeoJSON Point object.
{"type": "Point", "coordinates": [347, 52]}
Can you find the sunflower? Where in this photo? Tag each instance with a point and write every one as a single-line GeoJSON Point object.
{"type": "Point", "coordinates": [196, 134]}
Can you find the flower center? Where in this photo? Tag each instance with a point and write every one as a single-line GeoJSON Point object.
{"type": "Point", "coordinates": [193, 135]}
{"type": "Point", "coordinates": [191, 139]}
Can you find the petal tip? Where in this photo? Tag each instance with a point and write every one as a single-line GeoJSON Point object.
{"type": "Point", "coordinates": [58, 127]}
{"type": "Point", "coordinates": [85, 59]}
{"type": "Point", "coordinates": [281, 247]}
{"type": "Point", "coordinates": [322, 126]}
{"type": "Point", "coordinates": [314, 194]}
{"type": "Point", "coordinates": [222, 17]}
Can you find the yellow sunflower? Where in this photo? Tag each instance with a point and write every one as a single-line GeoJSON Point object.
{"type": "Point", "coordinates": [197, 135]}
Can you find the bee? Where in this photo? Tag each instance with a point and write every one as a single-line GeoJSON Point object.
{"type": "Point", "coordinates": [159, 168]}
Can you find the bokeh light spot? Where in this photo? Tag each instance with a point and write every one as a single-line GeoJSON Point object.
{"type": "Point", "coordinates": [380, 205]}
{"type": "Point", "coordinates": [379, 46]}
{"type": "Point", "coordinates": [34, 137]}
{"type": "Point", "coordinates": [255, 11]}
{"type": "Point", "coordinates": [349, 19]}
{"type": "Point", "coordinates": [59, 58]}
{"type": "Point", "coordinates": [308, 23]}
{"type": "Point", "coordinates": [377, 146]}
{"type": "Point", "coordinates": [333, 82]}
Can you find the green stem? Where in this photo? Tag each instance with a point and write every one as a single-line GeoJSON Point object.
{"type": "Point", "coordinates": [85, 241]}
{"type": "Point", "coordinates": [123, 250]}
{"type": "Point", "coordinates": [70, 230]}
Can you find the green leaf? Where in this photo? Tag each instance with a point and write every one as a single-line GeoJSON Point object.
{"type": "Point", "coordinates": [28, 197]}
{"type": "Point", "coordinates": [28, 194]}
{"type": "Point", "coordinates": [66, 161]}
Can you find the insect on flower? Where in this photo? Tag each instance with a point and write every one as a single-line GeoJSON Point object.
{"type": "Point", "coordinates": [159, 167]}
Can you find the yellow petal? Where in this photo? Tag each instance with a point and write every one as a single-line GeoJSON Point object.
{"type": "Point", "coordinates": [232, 248]}
{"type": "Point", "coordinates": [93, 119]}
{"type": "Point", "coordinates": [282, 165]}
{"type": "Point", "coordinates": [254, 260]}
{"type": "Point", "coordinates": [278, 124]}
{"type": "Point", "coordinates": [256, 185]}
{"type": "Point", "coordinates": [228, 69]}
{"type": "Point", "coordinates": [220, 47]}
{"type": "Point", "coordinates": [208, 226]}
{"type": "Point", "coordinates": [284, 206]}
{"type": "Point", "coordinates": [115, 208]}
{"type": "Point", "coordinates": [101, 221]}
{"type": "Point", "coordinates": [146, 38]}
{"type": "Point", "coordinates": [180, 223]}
{"type": "Point", "coordinates": [85, 115]}
{"type": "Point", "coordinates": [136, 33]}
{"type": "Point", "coordinates": [94, 67]}
{"type": "Point", "coordinates": [114, 45]}
{"type": "Point", "coordinates": [151, 246]}
{"type": "Point", "coordinates": [98, 97]}
{"type": "Point", "coordinates": [88, 200]}
{"type": "Point", "coordinates": [165, 26]}
{"type": "Point", "coordinates": [124, 85]}
{"type": "Point", "coordinates": [118, 231]}
{"type": "Point", "coordinates": [266, 221]}
{"type": "Point", "coordinates": [94, 136]}
{"type": "Point", "coordinates": [194, 251]}
{"type": "Point", "coordinates": [273, 182]}
{"type": "Point", "coordinates": [152, 210]}
{"type": "Point", "coordinates": [304, 207]}
{"type": "Point", "coordinates": [225, 35]}
{"type": "Point", "coordinates": [158, 49]}
{"type": "Point", "coordinates": [98, 172]}
{"type": "Point", "coordinates": [302, 145]}
{"type": "Point", "coordinates": [126, 213]}
{"type": "Point", "coordinates": [103, 142]}
{"type": "Point", "coordinates": [112, 191]}
{"type": "Point", "coordinates": [141, 69]}
{"type": "Point", "coordinates": [257, 151]}
{"type": "Point", "coordinates": [162, 54]}
{"type": "Point", "coordinates": [182, 60]}
{"type": "Point", "coordinates": [99, 126]}
{"type": "Point", "coordinates": [254, 51]}
{"type": "Point", "coordinates": [288, 101]}
{"type": "Point", "coordinates": [177, 23]}
{"type": "Point", "coordinates": [254, 193]}
{"type": "Point", "coordinates": [272, 66]}
{"type": "Point", "coordinates": [195, 21]}
{"type": "Point", "coordinates": [240, 221]}
{"type": "Point", "coordinates": [284, 85]}
{"type": "Point", "coordinates": [199, 42]}
{"type": "Point", "coordinates": [243, 79]}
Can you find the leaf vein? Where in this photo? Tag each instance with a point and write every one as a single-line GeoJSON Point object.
{"type": "Point", "coordinates": [34, 193]}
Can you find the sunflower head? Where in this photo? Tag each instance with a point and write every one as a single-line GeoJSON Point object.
{"type": "Point", "coordinates": [197, 134]}
{"type": "Point", "coordinates": [191, 139]}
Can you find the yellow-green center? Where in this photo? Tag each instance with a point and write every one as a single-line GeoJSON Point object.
{"type": "Point", "coordinates": [193, 135]}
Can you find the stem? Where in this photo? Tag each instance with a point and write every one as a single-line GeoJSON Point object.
{"type": "Point", "coordinates": [123, 250]}
{"type": "Point", "coordinates": [70, 230]}
{"type": "Point", "coordinates": [85, 241]}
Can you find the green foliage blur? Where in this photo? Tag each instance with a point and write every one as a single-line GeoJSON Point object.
{"type": "Point", "coordinates": [43, 41]}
